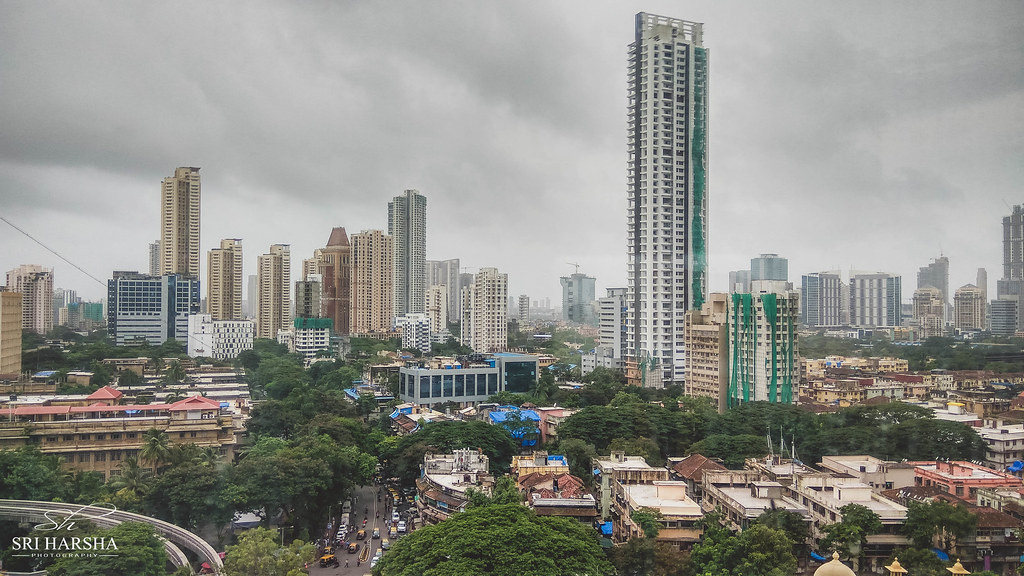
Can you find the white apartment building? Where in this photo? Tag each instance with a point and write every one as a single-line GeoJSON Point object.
{"type": "Point", "coordinates": [219, 339]}
{"type": "Point", "coordinates": [35, 284]}
{"type": "Point", "coordinates": [437, 307]}
{"type": "Point", "coordinates": [485, 312]}
{"type": "Point", "coordinates": [667, 206]}
{"type": "Point", "coordinates": [415, 329]}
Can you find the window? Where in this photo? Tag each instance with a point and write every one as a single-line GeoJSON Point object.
{"type": "Point", "coordinates": [101, 457]}
{"type": "Point", "coordinates": [83, 457]}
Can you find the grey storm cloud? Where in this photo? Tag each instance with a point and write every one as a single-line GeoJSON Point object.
{"type": "Point", "coordinates": [871, 134]}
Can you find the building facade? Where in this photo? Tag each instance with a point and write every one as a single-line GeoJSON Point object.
{"type": "Point", "coordinates": [875, 299]}
{"type": "Point", "coordinates": [437, 308]}
{"type": "Point", "coordinates": [1011, 285]}
{"type": "Point", "coordinates": [273, 291]}
{"type": "Point", "coordinates": [936, 275]}
{"type": "Point", "coordinates": [407, 226]}
{"type": "Point", "coordinates": [224, 280]}
{"type": "Point", "coordinates": [372, 277]}
{"type": "Point", "coordinates": [448, 274]}
{"type": "Point", "coordinates": [10, 333]}
{"type": "Point", "coordinates": [415, 329]}
{"type": "Point", "coordinates": [763, 348]}
{"type": "Point", "coordinates": [485, 312]}
{"type": "Point", "coordinates": [309, 337]}
{"type": "Point", "coordinates": [335, 266]}
{"type": "Point", "coordinates": [769, 267]}
{"type": "Point", "coordinates": [578, 296]}
{"type": "Point", "coordinates": [707, 345]}
{"type": "Point", "coordinates": [468, 384]}
{"type": "Point", "coordinates": [667, 206]}
{"type": "Point", "coordinates": [219, 339]}
{"type": "Point", "coordinates": [179, 223]}
{"type": "Point", "coordinates": [969, 309]}
{"type": "Point", "coordinates": [929, 312]}
{"type": "Point", "coordinates": [821, 300]}
{"type": "Point", "coordinates": [150, 308]}
{"type": "Point", "coordinates": [35, 284]}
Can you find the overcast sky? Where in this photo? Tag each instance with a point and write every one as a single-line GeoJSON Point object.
{"type": "Point", "coordinates": [871, 135]}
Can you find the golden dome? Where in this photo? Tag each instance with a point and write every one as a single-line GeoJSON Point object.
{"type": "Point", "coordinates": [834, 568]}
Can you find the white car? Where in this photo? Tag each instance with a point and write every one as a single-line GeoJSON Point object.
{"type": "Point", "coordinates": [374, 561]}
{"type": "Point", "coordinates": [401, 527]}
{"type": "Point", "coordinates": [395, 517]}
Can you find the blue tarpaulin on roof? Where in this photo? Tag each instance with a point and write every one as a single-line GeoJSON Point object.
{"type": "Point", "coordinates": [606, 528]}
{"type": "Point", "coordinates": [817, 557]}
{"type": "Point", "coordinates": [942, 555]}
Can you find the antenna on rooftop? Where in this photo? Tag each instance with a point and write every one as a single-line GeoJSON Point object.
{"type": "Point", "coordinates": [576, 264]}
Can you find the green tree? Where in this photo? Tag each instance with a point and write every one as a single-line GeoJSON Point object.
{"type": "Point", "coordinates": [156, 448]}
{"type": "Point", "coordinates": [849, 536]}
{"type": "Point", "coordinates": [139, 553]}
{"type": "Point", "coordinates": [499, 540]}
{"type": "Point", "coordinates": [258, 552]}
{"type": "Point", "coordinates": [580, 455]}
{"type": "Point", "coordinates": [919, 562]}
{"type": "Point", "coordinates": [649, 520]}
{"type": "Point", "coordinates": [28, 474]}
{"type": "Point", "coordinates": [133, 477]}
{"type": "Point", "coordinates": [732, 450]}
{"type": "Point", "coordinates": [937, 519]}
{"type": "Point", "coordinates": [129, 378]}
{"type": "Point", "coordinates": [190, 495]}
{"type": "Point", "coordinates": [175, 373]}
{"type": "Point", "coordinates": [757, 551]}
{"type": "Point", "coordinates": [793, 524]}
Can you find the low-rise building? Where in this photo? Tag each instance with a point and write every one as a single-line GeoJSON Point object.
{"type": "Point", "coordinates": [878, 474]}
{"type": "Point", "coordinates": [468, 383]}
{"type": "Point", "coordinates": [219, 339]}
{"type": "Point", "coordinates": [691, 470]}
{"type": "Point", "coordinates": [622, 470]}
{"type": "Point", "coordinates": [741, 496]}
{"type": "Point", "coordinates": [444, 480]}
{"type": "Point", "coordinates": [962, 479]}
{"type": "Point", "coordinates": [679, 513]}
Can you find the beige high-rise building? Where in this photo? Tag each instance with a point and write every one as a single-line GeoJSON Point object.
{"type": "Point", "coordinates": [273, 288]}
{"type": "Point", "coordinates": [35, 284]}
{"type": "Point", "coordinates": [707, 345]}
{"type": "Point", "coordinates": [929, 312]}
{"type": "Point", "coordinates": [335, 267]}
{"type": "Point", "coordinates": [485, 312]}
{"type": "Point", "coordinates": [372, 282]}
{"type": "Point", "coordinates": [10, 333]}
{"type": "Point", "coordinates": [179, 223]}
{"type": "Point", "coordinates": [224, 281]}
{"type": "Point", "coordinates": [437, 308]}
{"type": "Point", "coordinates": [969, 304]}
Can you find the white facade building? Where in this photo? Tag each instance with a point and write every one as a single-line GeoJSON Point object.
{"type": "Point", "coordinates": [485, 312]}
{"type": "Point", "coordinates": [415, 330]}
{"type": "Point", "coordinates": [219, 339]}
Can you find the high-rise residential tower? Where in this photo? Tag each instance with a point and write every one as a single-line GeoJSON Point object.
{"type": "Point", "coordinates": [447, 272]}
{"type": "Point", "coordinates": [371, 308]}
{"type": "Point", "coordinates": [35, 284]}
{"type": "Point", "coordinates": [578, 299]}
{"type": "Point", "coordinates": [10, 333]}
{"type": "Point", "coordinates": [769, 267]}
{"type": "Point", "coordinates": [763, 346]}
{"type": "Point", "coordinates": [179, 223]}
{"type": "Point", "coordinates": [969, 305]}
{"type": "Point", "coordinates": [154, 258]}
{"type": "Point", "coordinates": [224, 281]}
{"type": "Point", "coordinates": [1011, 285]}
{"type": "Point", "coordinates": [273, 287]}
{"type": "Point", "coordinates": [335, 265]}
{"type": "Point", "coordinates": [667, 205]}
{"type": "Point", "coordinates": [875, 299]}
{"type": "Point", "coordinates": [821, 299]}
{"type": "Point", "coordinates": [485, 312]}
{"type": "Point", "coordinates": [407, 226]}
{"type": "Point", "coordinates": [936, 275]}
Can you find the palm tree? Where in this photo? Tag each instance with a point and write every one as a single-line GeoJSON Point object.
{"type": "Point", "coordinates": [133, 476]}
{"type": "Point", "coordinates": [156, 447]}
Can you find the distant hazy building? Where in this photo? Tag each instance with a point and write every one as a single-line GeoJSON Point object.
{"type": "Point", "coordinates": [224, 280]}
{"type": "Point", "coordinates": [667, 193]}
{"type": "Point", "coordinates": [437, 307]}
{"type": "Point", "coordinates": [154, 258]}
{"type": "Point", "coordinates": [372, 309]}
{"type": "Point", "coordinates": [219, 339]}
{"type": "Point", "coordinates": [982, 282]}
{"type": "Point", "coordinates": [929, 312]}
{"type": "Point", "coordinates": [179, 223]}
{"type": "Point", "coordinates": [407, 228]}
{"type": "Point", "coordinates": [969, 304]}
{"type": "Point", "coordinates": [273, 288]}
{"type": "Point", "coordinates": [1003, 315]}
{"type": "Point", "coordinates": [769, 267]}
{"type": "Point", "coordinates": [335, 266]}
{"type": "Point", "coordinates": [610, 352]}
{"type": "Point", "coordinates": [447, 273]}
{"type": "Point", "coordinates": [485, 312]}
{"type": "Point", "coordinates": [821, 300]}
{"type": "Point", "coordinates": [763, 348]}
{"type": "Point", "coordinates": [307, 296]}
{"type": "Point", "coordinates": [578, 296]}
{"type": "Point", "coordinates": [35, 284]}
{"type": "Point", "coordinates": [10, 333]}
{"type": "Point", "coordinates": [875, 299]}
{"type": "Point", "coordinates": [1011, 285]}
{"type": "Point", "coordinates": [251, 296]}
{"type": "Point", "coordinates": [936, 275]}
{"type": "Point", "coordinates": [739, 281]}
{"type": "Point", "coordinates": [707, 345]}
{"type": "Point", "coordinates": [523, 309]}
{"type": "Point", "coordinates": [151, 308]}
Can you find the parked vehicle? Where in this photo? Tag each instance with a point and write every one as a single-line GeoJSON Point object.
{"type": "Point", "coordinates": [329, 560]}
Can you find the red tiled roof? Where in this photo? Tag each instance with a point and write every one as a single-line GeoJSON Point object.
{"type": "Point", "coordinates": [992, 518]}
{"type": "Point", "coordinates": [694, 465]}
{"type": "Point", "coordinates": [196, 402]}
{"type": "Point", "coordinates": [105, 393]}
{"type": "Point", "coordinates": [533, 479]}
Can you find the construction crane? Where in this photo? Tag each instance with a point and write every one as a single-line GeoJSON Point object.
{"type": "Point", "coordinates": [576, 265]}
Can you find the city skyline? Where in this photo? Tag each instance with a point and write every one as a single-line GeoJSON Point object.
{"type": "Point", "coordinates": [869, 137]}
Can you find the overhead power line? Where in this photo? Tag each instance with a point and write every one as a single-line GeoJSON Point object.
{"type": "Point", "coordinates": [54, 252]}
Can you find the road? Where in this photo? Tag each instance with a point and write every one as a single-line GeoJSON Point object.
{"type": "Point", "coordinates": [366, 499]}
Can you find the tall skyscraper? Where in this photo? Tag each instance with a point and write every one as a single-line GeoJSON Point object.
{"type": "Point", "coordinates": [485, 312]}
{"type": "Point", "coordinates": [578, 299]}
{"type": "Point", "coordinates": [273, 300]}
{"type": "Point", "coordinates": [151, 308]}
{"type": "Point", "coordinates": [936, 275]}
{"type": "Point", "coordinates": [447, 272]}
{"type": "Point", "coordinates": [769, 267]}
{"type": "Point", "coordinates": [35, 284]}
{"type": "Point", "coordinates": [667, 194]}
{"type": "Point", "coordinates": [179, 223]}
{"type": "Point", "coordinates": [307, 296]}
{"type": "Point", "coordinates": [875, 299]}
{"type": "Point", "coordinates": [821, 299]}
{"type": "Point", "coordinates": [372, 289]}
{"type": "Point", "coordinates": [10, 333]}
{"type": "Point", "coordinates": [1011, 285]}
{"type": "Point", "coordinates": [336, 269]}
{"type": "Point", "coordinates": [154, 258]}
{"type": "Point", "coordinates": [407, 226]}
{"type": "Point", "coordinates": [224, 280]}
